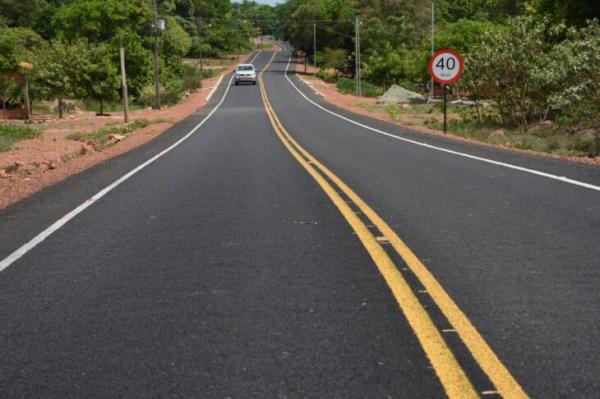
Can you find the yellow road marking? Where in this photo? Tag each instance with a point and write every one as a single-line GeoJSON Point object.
{"type": "Point", "coordinates": [449, 372]}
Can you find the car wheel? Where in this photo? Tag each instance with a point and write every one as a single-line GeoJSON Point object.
{"type": "Point", "coordinates": [254, 83]}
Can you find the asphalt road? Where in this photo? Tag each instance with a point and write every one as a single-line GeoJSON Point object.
{"type": "Point", "coordinates": [222, 269]}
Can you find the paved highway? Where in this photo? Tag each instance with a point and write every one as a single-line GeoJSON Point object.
{"type": "Point", "coordinates": [271, 245]}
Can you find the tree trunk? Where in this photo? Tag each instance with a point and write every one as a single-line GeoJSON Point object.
{"type": "Point", "coordinates": [4, 108]}
{"type": "Point", "coordinates": [60, 107]}
{"type": "Point", "coordinates": [101, 106]}
{"type": "Point", "coordinates": [478, 112]}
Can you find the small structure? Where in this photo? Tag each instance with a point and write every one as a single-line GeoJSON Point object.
{"type": "Point", "coordinates": [399, 95]}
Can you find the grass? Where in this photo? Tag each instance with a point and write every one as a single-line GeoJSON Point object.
{"type": "Point", "coordinates": [551, 139]}
{"type": "Point", "coordinates": [11, 134]}
{"type": "Point", "coordinates": [548, 139]}
{"type": "Point", "coordinates": [347, 86]}
{"type": "Point", "coordinates": [100, 136]}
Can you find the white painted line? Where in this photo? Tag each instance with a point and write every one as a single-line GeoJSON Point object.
{"type": "Point", "coordinates": [65, 219]}
{"type": "Point", "coordinates": [214, 88]}
{"type": "Point", "coordinates": [433, 147]}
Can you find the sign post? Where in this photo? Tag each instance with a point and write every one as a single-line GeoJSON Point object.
{"type": "Point", "coordinates": [446, 67]}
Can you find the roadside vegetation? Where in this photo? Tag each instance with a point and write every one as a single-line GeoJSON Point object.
{"type": "Point", "coordinates": [11, 134]}
{"type": "Point", "coordinates": [532, 67]}
{"type": "Point", "coordinates": [69, 49]}
{"type": "Point", "coordinates": [112, 133]}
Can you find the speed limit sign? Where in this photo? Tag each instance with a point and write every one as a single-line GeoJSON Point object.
{"type": "Point", "coordinates": [446, 66]}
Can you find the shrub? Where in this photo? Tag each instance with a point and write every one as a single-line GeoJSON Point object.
{"type": "Point", "coordinates": [192, 77]}
{"type": "Point", "coordinates": [347, 86]}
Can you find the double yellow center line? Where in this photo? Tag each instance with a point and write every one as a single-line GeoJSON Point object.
{"type": "Point", "coordinates": [447, 368]}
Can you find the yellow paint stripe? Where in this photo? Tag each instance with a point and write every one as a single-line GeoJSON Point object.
{"type": "Point", "coordinates": [449, 372]}
{"type": "Point", "coordinates": [483, 354]}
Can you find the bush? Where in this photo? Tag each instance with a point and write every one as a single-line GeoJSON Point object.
{"type": "Point", "coordinates": [347, 86]}
{"type": "Point", "coordinates": [192, 77]}
{"type": "Point", "coordinates": [326, 76]}
{"type": "Point", "coordinates": [170, 93]}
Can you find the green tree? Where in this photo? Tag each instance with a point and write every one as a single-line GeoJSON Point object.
{"type": "Point", "coordinates": [101, 80]}
{"type": "Point", "coordinates": [510, 67]}
{"type": "Point", "coordinates": [62, 69]}
{"type": "Point", "coordinates": [336, 59]}
{"type": "Point", "coordinates": [576, 64]}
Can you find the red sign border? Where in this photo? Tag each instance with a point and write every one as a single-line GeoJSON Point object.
{"type": "Point", "coordinates": [461, 66]}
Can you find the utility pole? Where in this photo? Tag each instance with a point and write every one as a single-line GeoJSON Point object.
{"type": "Point", "coordinates": [124, 82]}
{"type": "Point", "coordinates": [238, 39]}
{"type": "Point", "coordinates": [200, 45]}
{"type": "Point", "coordinates": [156, 59]}
{"type": "Point", "coordinates": [315, 46]}
{"type": "Point", "coordinates": [432, 43]}
{"type": "Point", "coordinates": [357, 71]}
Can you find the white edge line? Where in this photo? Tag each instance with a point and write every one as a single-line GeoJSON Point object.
{"type": "Point", "coordinates": [461, 154]}
{"type": "Point", "coordinates": [16, 255]}
{"type": "Point", "coordinates": [215, 87]}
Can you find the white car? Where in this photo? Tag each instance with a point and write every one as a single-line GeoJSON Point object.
{"type": "Point", "coordinates": [245, 73]}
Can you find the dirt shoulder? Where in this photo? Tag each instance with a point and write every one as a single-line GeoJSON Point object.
{"type": "Point", "coordinates": [413, 121]}
{"type": "Point", "coordinates": [41, 162]}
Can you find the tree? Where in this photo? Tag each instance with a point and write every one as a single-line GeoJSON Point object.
{"type": "Point", "coordinates": [510, 67]}
{"type": "Point", "coordinates": [21, 13]}
{"type": "Point", "coordinates": [577, 65]}
{"type": "Point", "coordinates": [102, 20]}
{"type": "Point", "coordinates": [62, 69]}
{"type": "Point", "coordinates": [101, 82]}
{"type": "Point", "coordinates": [336, 59]}
{"type": "Point", "coordinates": [175, 42]}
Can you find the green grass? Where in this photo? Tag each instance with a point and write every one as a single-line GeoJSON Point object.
{"type": "Point", "coordinates": [548, 139]}
{"type": "Point", "coordinates": [11, 134]}
{"type": "Point", "coordinates": [100, 136]}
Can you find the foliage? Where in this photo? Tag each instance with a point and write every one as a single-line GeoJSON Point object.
{"type": "Point", "coordinates": [175, 42]}
{"type": "Point", "coordinates": [11, 134]}
{"type": "Point", "coordinates": [102, 20]}
{"type": "Point", "coordinates": [576, 64]}
{"type": "Point", "coordinates": [62, 69]}
{"type": "Point", "coordinates": [101, 80]}
{"type": "Point", "coordinates": [348, 86]}
{"type": "Point", "coordinates": [8, 51]}
{"type": "Point", "coordinates": [510, 67]}
{"type": "Point", "coordinates": [332, 59]}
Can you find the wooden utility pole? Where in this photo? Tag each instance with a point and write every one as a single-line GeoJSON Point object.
{"type": "Point", "coordinates": [26, 99]}
{"type": "Point", "coordinates": [357, 71]}
{"type": "Point", "coordinates": [156, 59]}
{"type": "Point", "coordinates": [200, 45]}
{"type": "Point", "coordinates": [124, 83]}
{"type": "Point", "coordinates": [315, 46]}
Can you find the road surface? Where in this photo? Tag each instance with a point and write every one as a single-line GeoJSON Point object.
{"type": "Point", "coordinates": [267, 246]}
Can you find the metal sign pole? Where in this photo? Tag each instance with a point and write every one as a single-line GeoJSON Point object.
{"type": "Point", "coordinates": [445, 109]}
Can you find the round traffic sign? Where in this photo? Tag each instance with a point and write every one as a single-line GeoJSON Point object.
{"type": "Point", "coordinates": [446, 66]}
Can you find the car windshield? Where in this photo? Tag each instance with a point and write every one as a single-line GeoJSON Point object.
{"type": "Point", "coordinates": [245, 68]}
